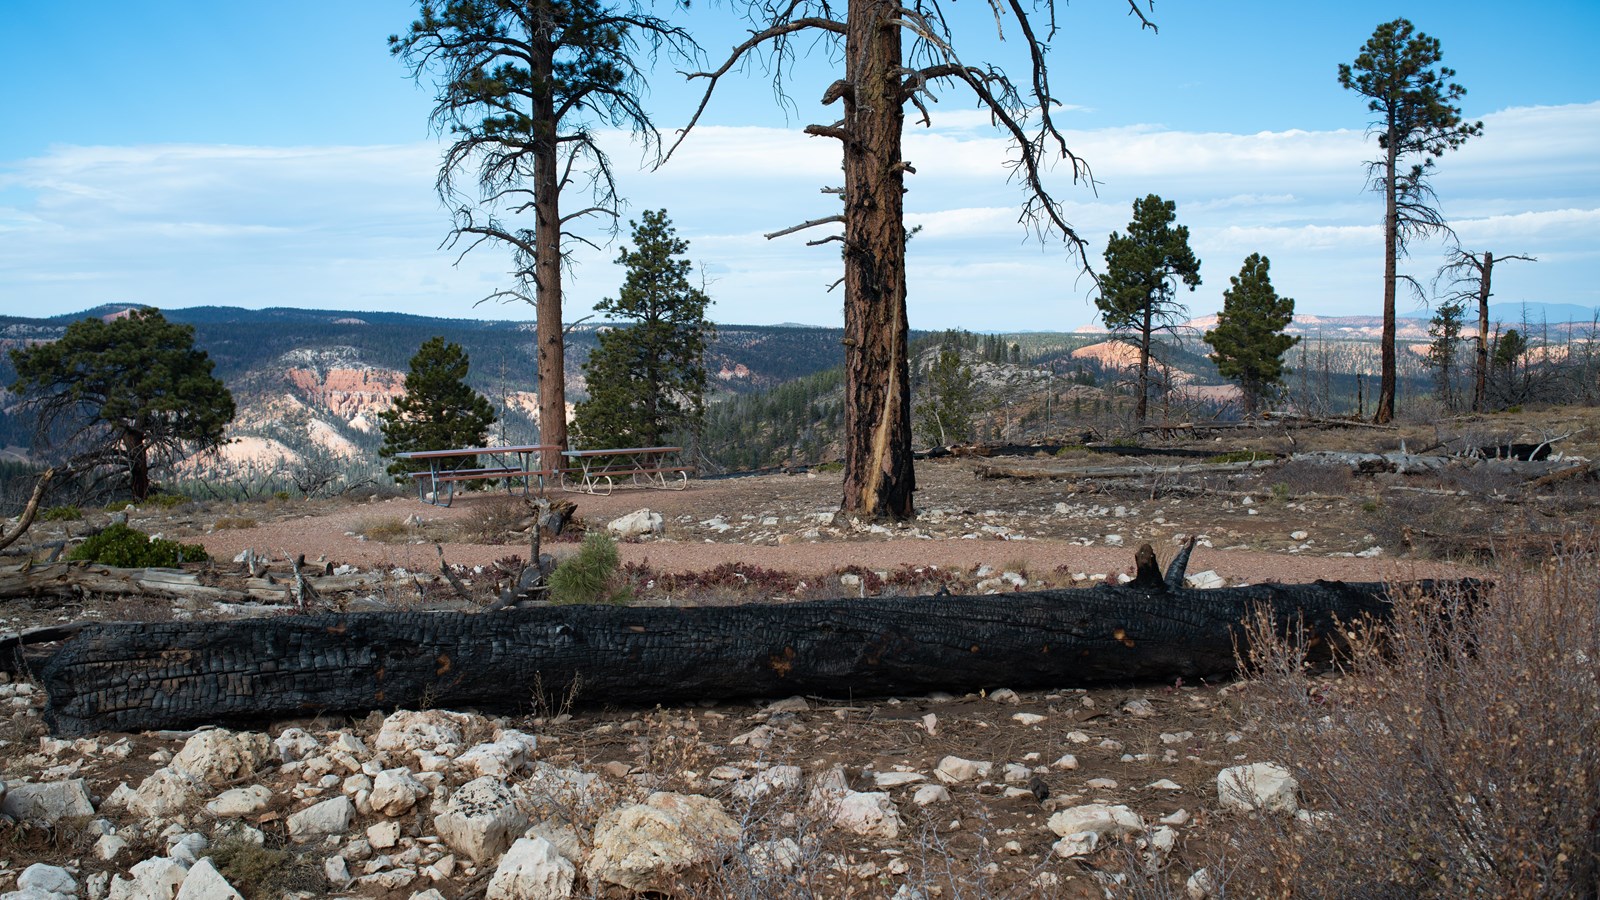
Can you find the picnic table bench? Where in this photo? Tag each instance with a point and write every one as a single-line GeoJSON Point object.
{"type": "Point", "coordinates": [532, 461]}
{"type": "Point", "coordinates": [599, 471]}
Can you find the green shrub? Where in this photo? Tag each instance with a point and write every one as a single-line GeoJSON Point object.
{"type": "Point", "coordinates": [590, 575]}
{"type": "Point", "coordinates": [61, 514]}
{"type": "Point", "coordinates": [166, 501]}
{"type": "Point", "coordinates": [828, 467]}
{"type": "Point", "coordinates": [130, 548]}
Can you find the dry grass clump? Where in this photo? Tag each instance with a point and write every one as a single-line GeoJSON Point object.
{"type": "Point", "coordinates": [1453, 754]}
{"type": "Point", "coordinates": [498, 519]}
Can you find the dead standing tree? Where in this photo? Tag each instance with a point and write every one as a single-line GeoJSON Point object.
{"type": "Point", "coordinates": [883, 72]}
{"type": "Point", "coordinates": [521, 85]}
{"type": "Point", "coordinates": [1471, 278]}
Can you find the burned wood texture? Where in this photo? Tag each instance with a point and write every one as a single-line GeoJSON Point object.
{"type": "Point", "coordinates": [173, 674]}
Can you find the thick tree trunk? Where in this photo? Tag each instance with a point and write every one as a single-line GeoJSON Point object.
{"type": "Point", "coordinates": [552, 359]}
{"type": "Point", "coordinates": [176, 674]}
{"type": "Point", "coordinates": [138, 464]}
{"type": "Point", "coordinates": [878, 474]}
{"type": "Point", "coordinates": [1145, 328]}
{"type": "Point", "coordinates": [1480, 377]}
{"type": "Point", "coordinates": [1391, 250]}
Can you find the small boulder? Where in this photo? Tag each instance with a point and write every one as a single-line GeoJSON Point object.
{"type": "Point", "coordinates": [328, 817]}
{"type": "Point", "coordinates": [645, 846]}
{"type": "Point", "coordinates": [532, 870]}
{"type": "Point", "coordinates": [1266, 786]}
{"type": "Point", "coordinates": [240, 801]}
{"type": "Point", "coordinates": [295, 744]}
{"type": "Point", "coordinates": [501, 758]}
{"type": "Point", "coordinates": [638, 523]}
{"type": "Point", "coordinates": [868, 814]}
{"type": "Point", "coordinates": [1083, 827]}
{"type": "Point", "coordinates": [395, 792]}
{"type": "Point", "coordinates": [218, 756]}
{"type": "Point", "coordinates": [204, 882]}
{"type": "Point", "coordinates": [154, 879]}
{"type": "Point", "coordinates": [431, 730]}
{"type": "Point", "coordinates": [954, 770]}
{"type": "Point", "coordinates": [47, 881]}
{"type": "Point", "coordinates": [167, 791]}
{"type": "Point", "coordinates": [48, 802]}
{"type": "Point", "coordinates": [773, 780]}
{"type": "Point", "coordinates": [480, 820]}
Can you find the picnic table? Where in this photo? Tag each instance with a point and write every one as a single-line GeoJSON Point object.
{"type": "Point", "coordinates": [532, 461]}
{"type": "Point", "coordinates": [599, 471]}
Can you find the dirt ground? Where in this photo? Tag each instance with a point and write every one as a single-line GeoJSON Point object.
{"type": "Point", "coordinates": [1283, 521]}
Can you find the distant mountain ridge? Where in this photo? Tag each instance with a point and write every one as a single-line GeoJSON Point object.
{"type": "Point", "coordinates": [310, 383]}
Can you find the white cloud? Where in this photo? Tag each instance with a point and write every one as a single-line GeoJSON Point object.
{"type": "Point", "coordinates": [348, 227]}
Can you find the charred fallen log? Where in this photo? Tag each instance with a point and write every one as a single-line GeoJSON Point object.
{"type": "Point", "coordinates": [172, 674]}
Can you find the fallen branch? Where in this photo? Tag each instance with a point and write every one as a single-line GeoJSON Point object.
{"type": "Point", "coordinates": [29, 511]}
{"type": "Point", "coordinates": [1033, 473]}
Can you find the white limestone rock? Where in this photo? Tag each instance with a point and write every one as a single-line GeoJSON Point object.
{"type": "Point", "coordinates": [395, 792]}
{"type": "Point", "coordinates": [328, 817]}
{"type": "Point", "coordinates": [929, 794]}
{"type": "Point", "coordinates": [167, 791]}
{"type": "Point", "coordinates": [954, 770]}
{"type": "Point", "coordinates": [773, 780]}
{"type": "Point", "coordinates": [868, 814]}
{"type": "Point", "coordinates": [1083, 827]}
{"type": "Point", "coordinates": [532, 870]}
{"type": "Point", "coordinates": [204, 882]}
{"type": "Point", "coordinates": [638, 523]}
{"type": "Point", "coordinates": [434, 730]}
{"type": "Point", "coordinates": [480, 820]}
{"type": "Point", "coordinates": [154, 879]}
{"type": "Point", "coordinates": [508, 752]}
{"type": "Point", "coordinates": [47, 802]}
{"type": "Point", "coordinates": [1265, 786]}
{"type": "Point", "coordinates": [240, 801]}
{"type": "Point", "coordinates": [217, 756]}
{"type": "Point", "coordinates": [46, 881]}
{"type": "Point", "coordinates": [644, 846]}
{"type": "Point", "coordinates": [295, 744]}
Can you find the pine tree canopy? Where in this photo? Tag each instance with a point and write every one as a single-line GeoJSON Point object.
{"type": "Point", "coordinates": [439, 410]}
{"type": "Point", "coordinates": [647, 379]}
{"type": "Point", "coordinates": [116, 391]}
{"type": "Point", "coordinates": [1248, 341]}
{"type": "Point", "coordinates": [1144, 267]}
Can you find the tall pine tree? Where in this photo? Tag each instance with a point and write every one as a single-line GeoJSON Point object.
{"type": "Point", "coordinates": [1415, 117]}
{"type": "Point", "coordinates": [438, 411]}
{"type": "Point", "coordinates": [647, 380]}
{"type": "Point", "coordinates": [1248, 341]}
{"type": "Point", "coordinates": [1138, 293]}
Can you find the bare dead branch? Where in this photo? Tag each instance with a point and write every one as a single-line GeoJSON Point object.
{"type": "Point", "coordinates": [825, 220]}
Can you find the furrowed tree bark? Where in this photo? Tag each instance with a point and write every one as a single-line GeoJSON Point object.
{"type": "Point", "coordinates": [1480, 372]}
{"type": "Point", "coordinates": [174, 674]}
{"type": "Point", "coordinates": [1391, 252]}
{"type": "Point", "coordinates": [547, 245]}
{"type": "Point", "coordinates": [878, 470]}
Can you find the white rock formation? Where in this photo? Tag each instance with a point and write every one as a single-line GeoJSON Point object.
{"type": "Point", "coordinates": [328, 817]}
{"type": "Point", "coordinates": [1083, 827]}
{"type": "Point", "coordinates": [47, 802]}
{"type": "Point", "coordinates": [204, 882]}
{"type": "Point", "coordinates": [532, 870]}
{"type": "Point", "coordinates": [502, 757]}
{"type": "Point", "coordinates": [1266, 786]}
{"type": "Point", "coordinates": [395, 792]}
{"type": "Point", "coordinates": [643, 846]}
{"type": "Point", "coordinates": [638, 523]}
{"type": "Point", "coordinates": [217, 756]}
{"type": "Point", "coordinates": [868, 814]}
{"type": "Point", "coordinates": [480, 820]}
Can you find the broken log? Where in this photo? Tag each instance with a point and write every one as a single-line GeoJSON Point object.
{"type": "Point", "coordinates": [1048, 471]}
{"type": "Point", "coordinates": [120, 677]}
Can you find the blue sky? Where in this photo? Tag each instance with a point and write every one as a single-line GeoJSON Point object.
{"type": "Point", "coordinates": [180, 153]}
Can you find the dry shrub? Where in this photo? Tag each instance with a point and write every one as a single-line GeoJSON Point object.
{"type": "Point", "coordinates": [1304, 477]}
{"type": "Point", "coordinates": [387, 529]}
{"type": "Point", "coordinates": [1456, 752]}
{"type": "Point", "coordinates": [494, 520]}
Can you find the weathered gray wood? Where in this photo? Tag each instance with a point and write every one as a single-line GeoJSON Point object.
{"type": "Point", "coordinates": [173, 674]}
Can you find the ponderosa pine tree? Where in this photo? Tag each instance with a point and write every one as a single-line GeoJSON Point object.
{"type": "Point", "coordinates": [522, 86]}
{"type": "Point", "coordinates": [1138, 293]}
{"type": "Point", "coordinates": [647, 380]}
{"type": "Point", "coordinates": [896, 54]}
{"type": "Point", "coordinates": [1248, 343]}
{"type": "Point", "coordinates": [439, 410]}
{"type": "Point", "coordinates": [112, 393]}
{"type": "Point", "coordinates": [1415, 117]}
